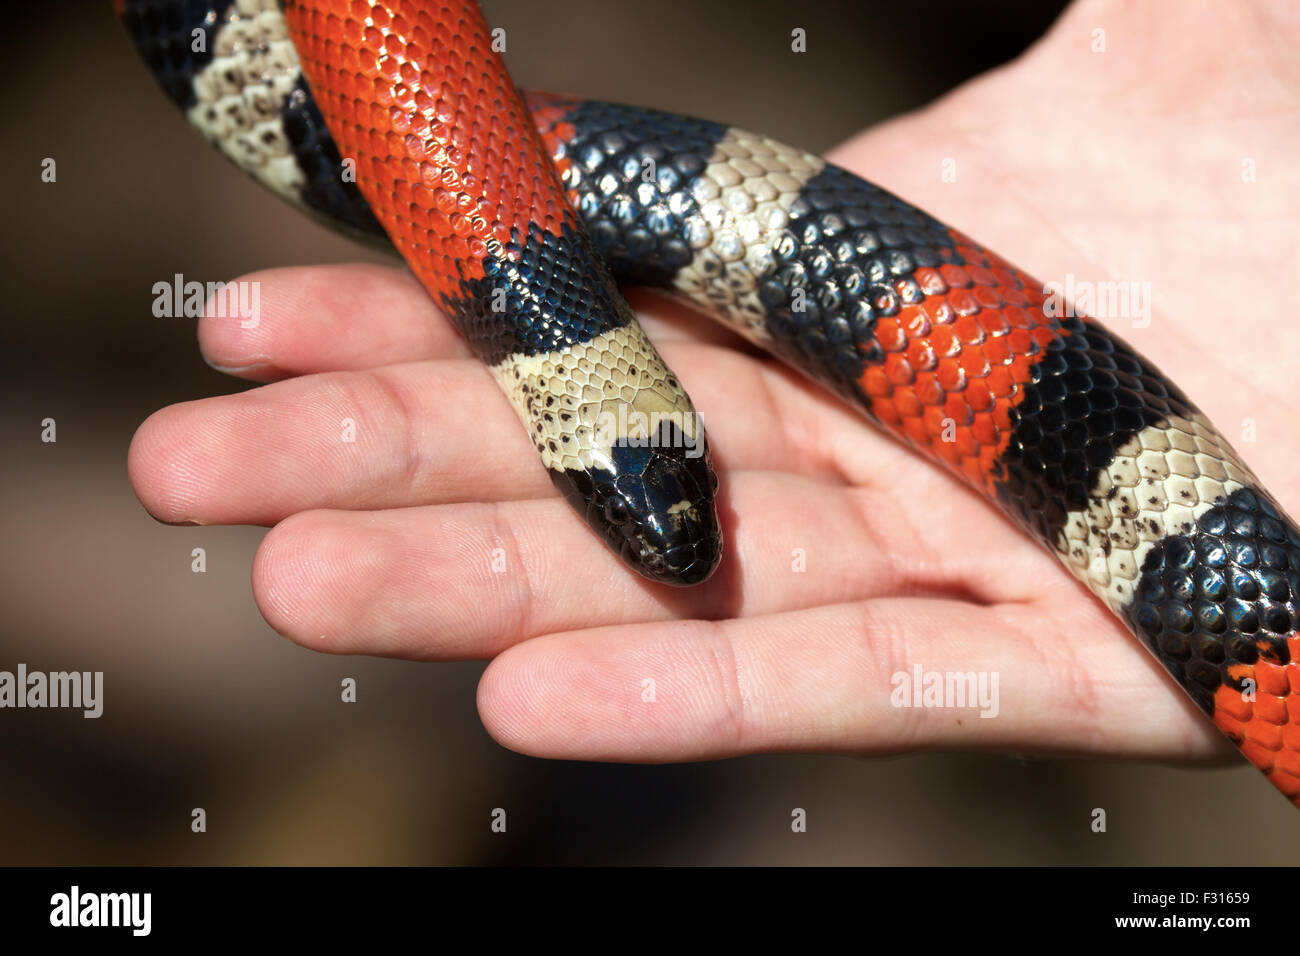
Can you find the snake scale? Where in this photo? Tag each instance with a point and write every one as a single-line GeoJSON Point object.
{"type": "Point", "coordinates": [519, 211]}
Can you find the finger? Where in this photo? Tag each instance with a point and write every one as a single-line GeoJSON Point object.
{"type": "Point", "coordinates": [324, 319]}
{"type": "Point", "coordinates": [467, 581]}
{"type": "Point", "coordinates": [830, 679]}
{"type": "Point", "coordinates": [352, 440]}
{"type": "Point", "coordinates": [437, 432]}
{"type": "Point", "coordinates": [359, 316]}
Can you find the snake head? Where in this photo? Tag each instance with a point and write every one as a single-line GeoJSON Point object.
{"type": "Point", "coordinates": [653, 502]}
{"type": "Point", "coordinates": [623, 443]}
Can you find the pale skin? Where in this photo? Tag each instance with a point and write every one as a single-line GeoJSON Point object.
{"type": "Point", "coordinates": [1130, 164]}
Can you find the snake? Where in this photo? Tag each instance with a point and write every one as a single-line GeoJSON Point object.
{"type": "Point", "coordinates": [397, 122]}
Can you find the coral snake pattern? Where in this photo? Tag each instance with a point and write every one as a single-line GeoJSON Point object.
{"type": "Point", "coordinates": [517, 211]}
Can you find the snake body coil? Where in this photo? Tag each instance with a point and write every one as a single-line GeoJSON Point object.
{"type": "Point", "coordinates": [1079, 439]}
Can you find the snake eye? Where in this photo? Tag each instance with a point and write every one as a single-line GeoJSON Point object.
{"type": "Point", "coordinates": [616, 511]}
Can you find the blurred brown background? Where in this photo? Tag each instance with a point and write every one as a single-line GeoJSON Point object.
{"type": "Point", "coordinates": [207, 707]}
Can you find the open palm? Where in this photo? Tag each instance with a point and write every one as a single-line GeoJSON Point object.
{"type": "Point", "coordinates": [436, 534]}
